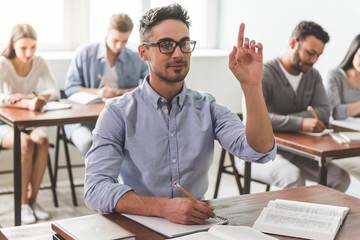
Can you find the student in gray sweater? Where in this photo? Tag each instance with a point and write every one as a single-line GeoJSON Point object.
{"type": "Point", "coordinates": [290, 86]}
{"type": "Point", "coordinates": [343, 89]}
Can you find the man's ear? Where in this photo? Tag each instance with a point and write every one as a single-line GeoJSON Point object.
{"type": "Point", "coordinates": [142, 52]}
{"type": "Point", "coordinates": [293, 42]}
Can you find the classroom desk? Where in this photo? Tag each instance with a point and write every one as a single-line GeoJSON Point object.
{"type": "Point", "coordinates": [241, 210]}
{"type": "Point", "coordinates": [319, 148]}
{"type": "Point", "coordinates": [20, 119]}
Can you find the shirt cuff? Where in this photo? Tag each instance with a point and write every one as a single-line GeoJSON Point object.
{"type": "Point", "coordinates": [254, 156]}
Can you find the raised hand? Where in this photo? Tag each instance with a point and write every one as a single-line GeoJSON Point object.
{"type": "Point", "coordinates": [246, 60]}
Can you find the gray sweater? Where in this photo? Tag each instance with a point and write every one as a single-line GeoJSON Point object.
{"type": "Point", "coordinates": [288, 108]}
{"type": "Point", "coordinates": [341, 93]}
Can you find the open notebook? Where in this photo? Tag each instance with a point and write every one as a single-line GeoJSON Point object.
{"type": "Point", "coordinates": [54, 105]}
{"type": "Point", "coordinates": [170, 229]}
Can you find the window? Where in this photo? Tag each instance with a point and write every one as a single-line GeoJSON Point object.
{"type": "Point", "coordinates": [100, 12]}
{"type": "Point", "coordinates": [65, 24]}
{"type": "Point", "coordinates": [50, 32]}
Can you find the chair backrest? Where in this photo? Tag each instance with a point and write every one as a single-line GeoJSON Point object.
{"type": "Point", "coordinates": [62, 94]}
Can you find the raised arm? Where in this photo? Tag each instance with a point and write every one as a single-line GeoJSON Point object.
{"type": "Point", "coordinates": [246, 63]}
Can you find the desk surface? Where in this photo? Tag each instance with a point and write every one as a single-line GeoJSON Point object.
{"type": "Point", "coordinates": [77, 113]}
{"type": "Point", "coordinates": [244, 209]}
{"type": "Point", "coordinates": [20, 119]}
{"type": "Point", "coordinates": [322, 146]}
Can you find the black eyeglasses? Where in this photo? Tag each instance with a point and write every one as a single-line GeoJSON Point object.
{"type": "Point", "coordinates": [169, 46]}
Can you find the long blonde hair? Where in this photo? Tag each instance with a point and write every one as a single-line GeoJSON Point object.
{"type": "Point", "coordinates": [19, 31]}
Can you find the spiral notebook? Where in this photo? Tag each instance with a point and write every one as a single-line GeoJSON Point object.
{"type": "Point", "coordinates": [170, 229]}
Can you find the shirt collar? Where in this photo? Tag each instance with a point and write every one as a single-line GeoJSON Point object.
{"type": "Point", "coordinates": [101, 55]}
{"type": "Point", "coordinates": [156, 100]}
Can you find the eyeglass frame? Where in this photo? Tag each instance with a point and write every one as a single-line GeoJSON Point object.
{"type": "Point", "coordinates": [170, 40]}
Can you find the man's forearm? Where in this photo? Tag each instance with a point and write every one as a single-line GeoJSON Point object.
{"type": "Point", "coordinates": [259, 132]}
{"type": "Point", "coordinates": [134, 203]}
{"type": "Point", "coordinates": [179, 210]}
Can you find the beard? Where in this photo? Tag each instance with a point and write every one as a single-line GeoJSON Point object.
{"type": "Point", "coordinates": [178, 76]}
{"type": "Point", "coordinates": [297, 63]}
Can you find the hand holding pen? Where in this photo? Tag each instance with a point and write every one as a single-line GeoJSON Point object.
{"type": "Point", "coordinates": [107, 91]}
{"type": "Point", "coordinates": [38, 102]}
{"type": "Point", "coordinates": [104, 82]}
{"type": "Point", "coordinates": [312, 124]}
{"type": "Point", "coordinates": [195, 213]}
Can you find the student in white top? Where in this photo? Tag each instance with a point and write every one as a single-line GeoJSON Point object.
{"type": "Point", "coordinates": [20, 72]}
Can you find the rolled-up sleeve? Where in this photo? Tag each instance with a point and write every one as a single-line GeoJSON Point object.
{"type": "Point", "coordinates": [230, 132]}
{"type": "Point", "coordinates": [102, 188]}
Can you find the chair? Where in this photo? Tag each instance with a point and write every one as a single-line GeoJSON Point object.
{"type": "Point", "coordinates": [51, 177]}
{"type": "Point", "coordinates": [60, 135]}
{"type": "Point", "coordinates": [231, 169]}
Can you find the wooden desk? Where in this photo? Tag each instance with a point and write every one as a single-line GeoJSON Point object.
{"type": "Point", "coordinates": [322, 149]}
{"type": "Point", "coordinates": [241, 210]}
{"type": "Point", "coordinates": [20, 119]}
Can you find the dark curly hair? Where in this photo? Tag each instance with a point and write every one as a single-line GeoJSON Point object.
{"type": "Point", "coordinates": [156, 15]}
{"type": "Point", "coordinates": [308, 28]}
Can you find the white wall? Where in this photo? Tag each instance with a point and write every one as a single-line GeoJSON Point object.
{"type": "Point", "coordinates": [272, 21]}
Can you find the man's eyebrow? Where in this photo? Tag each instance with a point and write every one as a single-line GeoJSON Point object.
{"type": "Point", "coordinates": [170, 39]}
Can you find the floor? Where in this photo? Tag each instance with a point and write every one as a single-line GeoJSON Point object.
{"type": "Point", "coordinates": [227, 188]}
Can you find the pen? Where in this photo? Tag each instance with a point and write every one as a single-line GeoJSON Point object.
{"type": "Point", "coordinates": [313, 113]}
{"type": "Point", "coordinates": [35, 94]}
{"type": "Point", "coordinates": [186, 192]}
{"type": "Point", "coordinates": [102, 80]}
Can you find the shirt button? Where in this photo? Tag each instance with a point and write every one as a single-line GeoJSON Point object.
{"type": "Point", "coordinates": [172, 135]}
{"type": "Point", "coordinates": [174, 160]}
{"type": "Point", "coordinates": [166, 111]}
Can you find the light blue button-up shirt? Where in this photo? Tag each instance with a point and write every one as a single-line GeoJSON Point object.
{"type": "Point", "coordinates": [151, 147]}
{"type": "Point", "coordinates": [89, 62]}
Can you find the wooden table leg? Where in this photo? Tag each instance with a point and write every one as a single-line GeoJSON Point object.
{"type": "Point", "coordinates": [17, 176]}
{"type": "Point", "coordinates": [247, 177]}
{"type": "Point", "coordinates": [322, 172]}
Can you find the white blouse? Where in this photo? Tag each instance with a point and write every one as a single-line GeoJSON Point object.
{"type": "Point", "coordinates": [11, 82]}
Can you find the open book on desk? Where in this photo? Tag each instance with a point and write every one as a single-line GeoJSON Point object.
{"type": "Point", "coordinates": [93, 226]}
{"type": "Point", "coordinates": [85, 98]}
{"type": "Point", "coordinates": [301, 219]}
{"type": "Point", "coordinates": [223, 232]}
{"type": "Point", "coordinates": [350, 122]}
{"type": "Point", "coordinates": [346, 137]}
{"type": "Point", "coordinates": [326, 131]}
{"type": "Point", "coordinates": [170, 229]}
{"type": "Point", "coordinates": [54, 105]}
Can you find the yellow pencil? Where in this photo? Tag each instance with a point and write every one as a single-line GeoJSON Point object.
{"type": "Point", "coordinates": [313, 113]}
{"type": "Point", "coordinates": [102, 80]}
{"type": "Point", "coordinates": [186, 192]}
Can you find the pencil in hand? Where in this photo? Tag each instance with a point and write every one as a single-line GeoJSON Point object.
{"type": "Point", "coordinates": [313, 113]}
{"type": "Point", "coordinates": [196, 201]}
{"type": "Point", "coordinates": [186, 192]}
{"type": "Point", "coordinates": [103, 80]}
